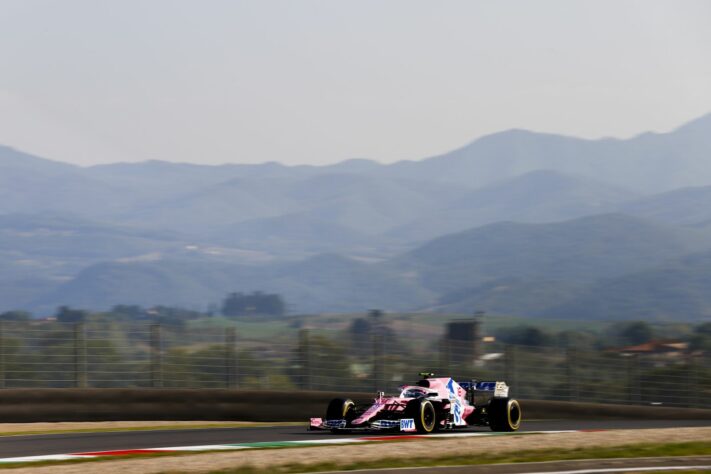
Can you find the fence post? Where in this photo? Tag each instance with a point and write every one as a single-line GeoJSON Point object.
{"type": "Point", "coordinates": [634, 394]}
{"type": "Point", "coordinates": [630, 381]}
{"type": "Point", "coordinates": [377, 348]}
{"type": "Point", "coordinates": [570, 361]}
{"type": "Point", "coordinates": [305, 356]}
{"type": "Point", "coordinates": [80, 379]}
{"type": "Point", "coordinates": [231, 357]}
{"type": "Point", "coordinates": [377, 362]}
{"type": "Point", "coordinates": [510, 365]}
{"type": "Point", "coordinates": [702, 380]}
{"type": "Point", "coordinates": [2, 356]}
{"type": "Point", "coordinates": [156, 357]}
{"type": "Point", "coordinates": [444, 357]}
{"type": "Point", "coordinates": [694, 387]}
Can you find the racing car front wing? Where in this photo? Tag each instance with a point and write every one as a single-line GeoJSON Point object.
{"type": "Point", "coordinates": [403, 424]}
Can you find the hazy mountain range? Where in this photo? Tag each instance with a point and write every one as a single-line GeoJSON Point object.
{"type": "Point", "coordinates": [515, 222]}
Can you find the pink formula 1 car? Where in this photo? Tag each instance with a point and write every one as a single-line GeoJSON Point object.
{"type": "Point", "coordinates": [432, 404]}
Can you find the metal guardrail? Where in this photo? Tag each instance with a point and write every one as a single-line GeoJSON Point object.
{"type": "Point", "coordinates": [143, 355]}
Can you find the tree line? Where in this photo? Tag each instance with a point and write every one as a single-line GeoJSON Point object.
{"type": "Point", "coordinates": [235, 305]}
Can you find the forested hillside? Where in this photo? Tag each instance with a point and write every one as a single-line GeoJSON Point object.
{"type": "Point", "coordinates": [516, 222]}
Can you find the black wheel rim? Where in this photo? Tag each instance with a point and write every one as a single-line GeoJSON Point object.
{"type": "Point", "coordinates": [514, 415]}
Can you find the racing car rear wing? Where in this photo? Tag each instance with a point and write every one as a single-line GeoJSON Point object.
{"type": "Point", "coordinates": [484, 390]}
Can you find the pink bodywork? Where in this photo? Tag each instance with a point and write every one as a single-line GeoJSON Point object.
{"type": "Point", "coordinates": [447, 390]}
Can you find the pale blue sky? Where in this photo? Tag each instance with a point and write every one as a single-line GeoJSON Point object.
{"type": "Point", "coordinates": [214, 81]}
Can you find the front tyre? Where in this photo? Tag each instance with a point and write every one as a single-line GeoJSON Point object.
{"type": "Point", "coordinates": [504, 414]}
{"type": "Point", "coordinates": [424, 414]}
{"type": "Point", "coordinates": [341, 409]}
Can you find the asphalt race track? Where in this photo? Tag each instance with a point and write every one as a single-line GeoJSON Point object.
{"type": "Point", "coordinates": [34, 445]}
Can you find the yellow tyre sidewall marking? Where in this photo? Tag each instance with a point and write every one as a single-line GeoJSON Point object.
{"type": "Point", "coordinates": [347, 405]}
{"type": "Point", "coordinates": [422, 417]}
{"type": "Point", "coordinates": [509, 406]}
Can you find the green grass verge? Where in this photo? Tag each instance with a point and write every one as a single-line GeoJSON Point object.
{"type": "Point", "coordinates": [553, 454]}
{"type": "Point", "coordinates": [690, 471]}
{"type": "Point", "coordinates": [628, 451]}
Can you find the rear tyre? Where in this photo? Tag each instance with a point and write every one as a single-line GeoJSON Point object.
{"type": "Point", "coordinates": [340, 409]}
{"type": "Point", "coordinates": [424, 414]}
{"type": "Point", "coordinates": [504, 414]}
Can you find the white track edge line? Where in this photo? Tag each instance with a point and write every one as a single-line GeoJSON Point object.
{"type": "Point", "coordinates": [239, 446]}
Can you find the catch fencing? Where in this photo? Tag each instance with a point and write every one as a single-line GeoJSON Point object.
{"type": "Point", "coordinates": [49, 354]}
